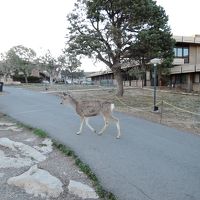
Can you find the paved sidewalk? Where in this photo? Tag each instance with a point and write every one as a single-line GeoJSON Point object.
{"type": "Point", "coordinates": [150, 161]}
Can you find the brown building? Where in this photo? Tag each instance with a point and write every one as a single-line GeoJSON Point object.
{"type": "Point", "coordinates": [186, 71]}
{"type": "Point", "coordinates": [184, 74]}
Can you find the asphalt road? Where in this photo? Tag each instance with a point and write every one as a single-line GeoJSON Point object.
{"type": "Point", "coordinates": [149, 162]}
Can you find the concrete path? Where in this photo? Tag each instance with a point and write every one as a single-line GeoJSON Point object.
{"type": "Point", "coordinates": [149, 162]}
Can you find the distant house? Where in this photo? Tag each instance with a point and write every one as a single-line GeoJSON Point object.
{"type": "Point", "coordinates": [184, 74]}
{"type": "Point", "coordinates": [102, 77]}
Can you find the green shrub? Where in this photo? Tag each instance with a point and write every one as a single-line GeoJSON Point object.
{"type": "Point", "coordinates": [31, 79]}
{"type": "Point", "coordinates": [40, 133]}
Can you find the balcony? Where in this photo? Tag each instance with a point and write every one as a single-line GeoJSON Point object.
{"type": "Point", "coordinates": [176, 70]}
{"type": "Point", "coordinates": [198, 68]}
{"type": "Point", "coordinates": [184, 69]}
{"type": "Point", "coordinates": [178, 61]}
{"type": "Point", "coordinates": [188, 68]}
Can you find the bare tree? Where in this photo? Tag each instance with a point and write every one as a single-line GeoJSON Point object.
{"type": "Point", "coordinates": [49, 64]}
{"type": "Point", "coordinates": [69, 66]}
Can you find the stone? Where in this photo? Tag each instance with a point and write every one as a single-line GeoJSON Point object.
{"type": "Point", "coordinates": [7, 124]}
{"type": "Point", "coordinates": [2, 154]}
{"type": "Point", "coordinates": [46, 146]}
{"type": "Point", "coordinates": [25, 155]}
{"type": "Point", "coordinates": [38, 182]}
{"type": "Point", "coordinates": [24, 149]}
{"type": "Point", "coordinates": [8, 162]}
{"type": "Point", "coordinates": [81, 190]}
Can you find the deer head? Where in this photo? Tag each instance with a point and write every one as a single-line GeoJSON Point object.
{"type": "Point", "coordinates": [67, 99]}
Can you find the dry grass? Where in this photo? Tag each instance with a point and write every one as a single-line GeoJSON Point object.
{"type": "Point", "coordinates": [139, 102]}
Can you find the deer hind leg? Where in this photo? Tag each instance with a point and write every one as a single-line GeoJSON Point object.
{"type": "Point", "coordinates": [81, 125]}
{"type": "Point", "coordinates": [89, 126]}
{"type": "Point", "coordinates": [106, 123]}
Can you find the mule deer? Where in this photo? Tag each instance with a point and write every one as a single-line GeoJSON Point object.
{"type": "Point", "coordinates": [86, 109]}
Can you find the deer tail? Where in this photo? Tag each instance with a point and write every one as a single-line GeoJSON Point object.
{"type": "Point", "coordinates": [112, 106]}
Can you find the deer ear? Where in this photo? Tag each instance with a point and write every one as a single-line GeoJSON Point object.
{"type": "Point", "coordinates": [64, 93]}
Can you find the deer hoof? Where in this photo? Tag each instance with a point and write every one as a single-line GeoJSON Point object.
{"type": "Point", "coordinates": [100, 133]}
{"type": "Point", "coordinates": [118, 137]}
{"type": "Point", "coordinates": [94, 131]}
{"type": "Point", "coordinates": [78, 133]}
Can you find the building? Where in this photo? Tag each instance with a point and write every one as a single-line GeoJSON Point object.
{"type": "Point", "coordinates": [184, 74]}
{"type": "Point", "coordinates": [186, 71]}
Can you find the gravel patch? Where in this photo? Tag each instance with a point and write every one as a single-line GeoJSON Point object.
{"type": "Point", "coordinates": [57, 164]}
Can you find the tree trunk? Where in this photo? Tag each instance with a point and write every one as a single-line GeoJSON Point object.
{"type": "Point", "coordinates": [26, 79]}
{"type": "Point", "coordinates": [65, 80]}
{"type": "Point", "coordinates": [51, 80]}
{"type": "Point", "coordinates": [72, 79]}
{"type": "Point", "coordinates": [119, 79]}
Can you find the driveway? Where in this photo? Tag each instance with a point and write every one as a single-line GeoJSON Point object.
{"type": "Point", "coordinates": [150, 161]}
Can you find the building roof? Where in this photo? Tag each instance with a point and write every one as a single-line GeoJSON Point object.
{"type": "Point", "coordinates": [99, 73]}
{"type": "Point", "coordinates": [188, 39]}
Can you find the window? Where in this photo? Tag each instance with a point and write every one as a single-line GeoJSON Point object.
{"type": "Point", "coordinates": [178, 78]}
{"type": "Point", "coordinates": [185, 52]}
{"type": "Point", "coordinates": [182, 52]}
{"type": "Point", "coordinates": [184, 79]}
{"type": "Point", "coordinates": [179, 52]}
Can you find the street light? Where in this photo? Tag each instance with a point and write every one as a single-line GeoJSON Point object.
{"type": "Point", "coordinates": [155, 62]}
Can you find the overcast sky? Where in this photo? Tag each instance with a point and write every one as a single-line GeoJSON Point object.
{"type": "Point", "coordinates": [41, 24]}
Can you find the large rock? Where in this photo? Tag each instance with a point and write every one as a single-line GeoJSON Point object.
{"type": "Point", "coordinates": [81, 190]}
{"type": "Point", "coordinates": [23, 149]}
{"type": "Point", "coordinates": [5, 126]}
{"type": "Point", "coordinates": [24, 155]}
{"type": "Point", "coordinates": [1, 175]}
{"type": "Point", "coordinates": [46, 146]}
{"type": "Point", "coordinates": [8, 162]}
{"type": "Point", "coordinates": [38, 182]}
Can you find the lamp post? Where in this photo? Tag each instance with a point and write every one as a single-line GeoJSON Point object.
{"type": "Point", "coordinates": [155, 108]}
{"type": "Point", "coordinates": [155, 62]}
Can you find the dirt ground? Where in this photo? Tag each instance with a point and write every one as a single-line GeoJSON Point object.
{"type": "Point", "coordinates": [56, 164]}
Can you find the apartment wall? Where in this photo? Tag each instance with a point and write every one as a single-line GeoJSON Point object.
{"type": "Point", "coordinates": [198, 54]}
{"type": "Point", "coordinates": [194, 57]}
{"type": "Point", "coordinates": [196, 87]}
{"type": "Point", "coordinates": [193, 54]}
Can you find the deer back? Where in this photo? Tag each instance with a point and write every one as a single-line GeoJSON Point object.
{"type": "Point", "coordinates": [92, 108]}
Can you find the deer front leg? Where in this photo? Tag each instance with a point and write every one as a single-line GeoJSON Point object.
{"type": "Point", "coordinates": [81, 125]}
{"type": "Point", "coordinates": [89, 126]}
{"type": "Point", "coordinates": [116, 121]}
{"type": "Point", "coordinates": [104, 128]}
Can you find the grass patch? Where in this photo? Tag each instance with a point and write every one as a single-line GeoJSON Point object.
{"type": "Point", "coordinates": [40, 133]}
{"type": "Point", "coordinates": [20, 125]}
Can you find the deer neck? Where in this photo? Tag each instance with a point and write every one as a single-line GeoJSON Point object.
{"type": "Point", "coordinates": [73, 102]}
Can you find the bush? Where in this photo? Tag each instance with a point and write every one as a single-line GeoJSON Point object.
{"type": "Point", "coordinates": [19, 78]}
{"type": "Point", "coordinates": [34, 79]}
{"type": "Point", "coordinates": [31, 79]}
